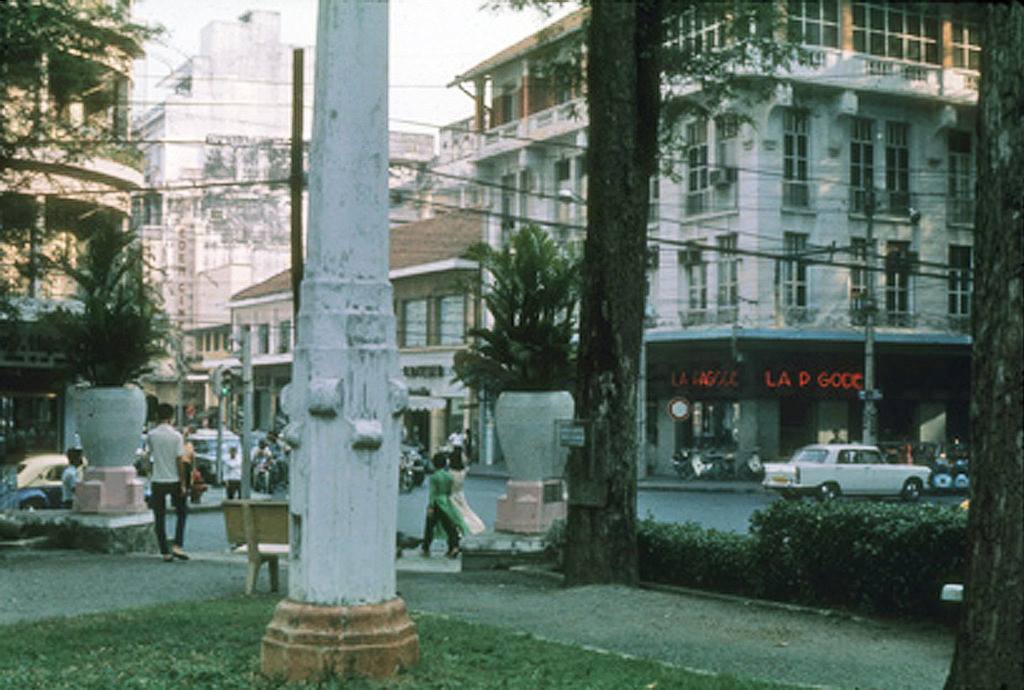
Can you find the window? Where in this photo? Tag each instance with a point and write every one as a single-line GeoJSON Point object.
{"type": "Point", "coordinates": [862, 164]}
{"type": "Point", "coordinates": [960, 200]}
{"type": "Point", "coordinates": [895, 30]}
{"type": "Point", "coordinates": [858, 277]}
{"type": "Point", "coordinates": [794, 271]}
{"type": "Point", "coordinates": [153, 209]}
{"type": "Point", "coordinates": [728, 275]}
{"type": "Point", "coordinates": [898, 261]}
{"type": "Point", "coordinates": [452, 319]}
{"type": "Point", "coordinates": [263, 338]}
{"type": "Point", "coordinates": [695, 272]}
{"type": "Point", "coordinates": [414, 323]}
{"type": "Point", "coordinates": [966, 42]}
{"type": "Point", "coordinates": [959, 280]}
{"type": "Point", "coordinates": [284, 336]}
{"type": "Point", "coordinates": [653, 200]}
{"type": "Point", "coordinates": [563, 208]}
{"type": "Point", "coordinates": [699, 31]}
{"type": "Point", "coordinates": [508, 223]}
{"type": "Point", "coordinates": [814, 23]}
{"type": "Point", "coordinates": [505, 105]}
{"type": "Point", "coordinates": [897, 167]}
{"type": "Point", "coordinates": [795, 190]}
{"type": "Point", "coordinates": [697, 167]}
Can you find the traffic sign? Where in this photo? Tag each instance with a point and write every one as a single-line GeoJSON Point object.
{"type": "Point", "coordinates": [679, 409]}
{"type": "Point", "coordinates": [870, 395]}
{"type": "Point", "coordinates": [571, 434]}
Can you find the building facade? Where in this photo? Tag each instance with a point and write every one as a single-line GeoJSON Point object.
{"type": "Point", "coordinates": [759, 242]}
{"type": "Point", "coordinates": [434, 307]}
{"type": "Point", "coordinates": [51, 200]}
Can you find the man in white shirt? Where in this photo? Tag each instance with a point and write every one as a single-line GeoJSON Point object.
{"type": "Point", "coordinates": [233, 473]}
{"type": "Point", "coordinates": [167, 451]}
{"type": "Point", "coordinates": [69, 478]}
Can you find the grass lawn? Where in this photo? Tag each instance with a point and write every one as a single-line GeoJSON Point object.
{"type": "Point", "coordinates": [215, 644]}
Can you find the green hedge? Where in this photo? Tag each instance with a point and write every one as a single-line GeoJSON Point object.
{"type": "Point", "coordinates": [875, 557]}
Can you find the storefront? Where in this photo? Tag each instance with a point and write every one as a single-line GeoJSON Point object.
{"type": "Point", "coordinates": [777, 394]}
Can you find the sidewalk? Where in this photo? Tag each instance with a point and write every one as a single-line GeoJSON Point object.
{"type": "Point", "coordinates": [705, 632]}
{"type": "Point", "coordinates": [660, 482]}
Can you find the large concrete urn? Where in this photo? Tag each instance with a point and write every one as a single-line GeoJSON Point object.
{"type": "Point", "coordinates": [109, 422]}
{"type": "Point", "coordinates": [527, 431]}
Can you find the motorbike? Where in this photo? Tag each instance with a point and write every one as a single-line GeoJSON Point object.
{"type": "Point", "coordinates": [411, 468]}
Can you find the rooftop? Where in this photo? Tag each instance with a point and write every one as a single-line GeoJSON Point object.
{"type": "Point", "coordinates": [422, 242]}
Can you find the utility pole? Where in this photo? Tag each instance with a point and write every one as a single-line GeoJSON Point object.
{"type": "Point", "coordinates": [179, 365]}
{"type": "Point", "coordinates": [869, 434]}
{"type": "Point", "coordinates": [218, 390]}
{"type": "Point", "coordinates": [295, 182]}
{"type": "Point", "coordinates": [246, 410]}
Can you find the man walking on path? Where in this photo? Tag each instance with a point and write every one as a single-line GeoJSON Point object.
{"type": "Point", "coordinates": [70, 477]}
{"type": "Point", "coordinates": [167, 450]}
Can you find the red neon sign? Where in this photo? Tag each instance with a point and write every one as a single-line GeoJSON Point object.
{"type": "Point", "coordinates": [824, 379]}
{"type": "Point", "coordinates": [706, 378]}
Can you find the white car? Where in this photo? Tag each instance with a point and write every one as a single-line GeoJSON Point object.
{"type": "Point", "coordinates": [826, 471]}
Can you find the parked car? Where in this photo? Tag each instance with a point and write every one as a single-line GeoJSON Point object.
{"type": "Point", "coordinates": [826, 471]}
{"type": "Point", "coordinates": [204, 441]}
{"type": "Point", "coordinates": [39, 481]}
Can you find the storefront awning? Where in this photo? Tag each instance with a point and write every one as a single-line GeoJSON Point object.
{"type": "Point", "coordinates": [426, 402]}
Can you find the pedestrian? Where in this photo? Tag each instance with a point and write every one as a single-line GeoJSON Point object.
{"type": "Point", "coordinates": [233, 473]}
{"type": "Point", "coordinates": [467, 446]}
{"type": "Point", "coordinates": [70, 477]}
{"type": "Point", "coordinates": [260, 460]}
{"type": "Point", "coordinates": [456, 440]}
{"type": "Point", "coordinates": [440, 511]}
{"type": "Point", "coordinates": [189, 458]}
{"type": "Point", "coordinates": [472, 521]}
{"type": "Point", "coordinates": [167, 450]}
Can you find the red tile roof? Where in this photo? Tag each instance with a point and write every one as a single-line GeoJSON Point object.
{"type": "Point", "coordinates": [440, 238]}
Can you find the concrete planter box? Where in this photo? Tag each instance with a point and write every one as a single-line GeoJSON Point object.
{"type": "Point", "coordinates": [109, 421]}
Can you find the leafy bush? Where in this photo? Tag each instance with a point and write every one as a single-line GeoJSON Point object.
{"type": "Point", "coordinates": [869, 556]}
{"type": "Point", "coordinates": [687, 554]}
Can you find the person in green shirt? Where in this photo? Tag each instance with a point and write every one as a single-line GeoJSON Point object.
{"type": "Point", "coordinates": [441, 513]}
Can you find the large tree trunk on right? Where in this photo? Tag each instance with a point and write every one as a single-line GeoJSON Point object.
{"type": "Point", "coordinates": [990, 641]}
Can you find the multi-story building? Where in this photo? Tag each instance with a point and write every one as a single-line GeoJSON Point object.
{"type": "Point", "coordinates": [434, 309]}
{"type": "Point", "coordinates": [217, 218]}
{"type": "Point", "coordinates": [756, 305]}
{"type": "Point", "coordinates": [52, 197]}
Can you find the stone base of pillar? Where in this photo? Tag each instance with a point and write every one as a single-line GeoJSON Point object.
{"type": "Point", "coordinates": [309, 642]}
{"type": "Point", "coordinates": [110, 490]}
{"type": "Point", "coordinates": [529, 507]}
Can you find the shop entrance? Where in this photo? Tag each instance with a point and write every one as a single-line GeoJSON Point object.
{"type": "Point", "coordinates": [796, 424]}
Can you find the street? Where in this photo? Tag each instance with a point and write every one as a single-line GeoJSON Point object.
{"type": "Point", "coordinates": [723, 511]}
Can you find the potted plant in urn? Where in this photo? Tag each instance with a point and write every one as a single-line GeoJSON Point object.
{"type": "Point", "coordinates": [108, 342]}
{"type": "Point", "coordinates": [526, 358]}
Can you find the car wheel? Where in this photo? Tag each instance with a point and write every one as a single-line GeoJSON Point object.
{"type": "Point", "coordinates": [911, 490]}
{"type": "Point", "coordinates": [34, 503]}
{"type": "Point", "coordinates": [828, 492]}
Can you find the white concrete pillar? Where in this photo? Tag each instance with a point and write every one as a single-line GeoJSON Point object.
{"type": "Point", "coordinates": [346, 397]}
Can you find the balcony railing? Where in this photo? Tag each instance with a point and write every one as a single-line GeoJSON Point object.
{"type": "Point", "coordinates": [887, 202]}
{"type": "Point", "coordinates": [898, 319]}
{"type": "Point", "coordinates": [717, 199]}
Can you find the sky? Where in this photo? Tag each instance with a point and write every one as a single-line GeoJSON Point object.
{"type": "Point", "coordinates": [431, 41]}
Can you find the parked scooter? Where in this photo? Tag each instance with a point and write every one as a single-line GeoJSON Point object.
{"type": "Point", "coordinates": [411, 469]}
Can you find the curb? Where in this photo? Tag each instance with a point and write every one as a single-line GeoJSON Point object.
{"type": "Point", "coordinates": [553, 575]}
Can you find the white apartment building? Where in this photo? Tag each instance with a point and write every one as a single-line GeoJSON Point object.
{"type": "Point", "coordinates": [218, 161]}
{"type": "Point", "coordinates": [755, 308]}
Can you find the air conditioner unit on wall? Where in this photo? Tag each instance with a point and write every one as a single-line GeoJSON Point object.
{"type": "Point", "coordinates": [722, 177]}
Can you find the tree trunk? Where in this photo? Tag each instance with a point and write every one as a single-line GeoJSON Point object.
{"type": "Point", "coordinates": [989, 649]}
{"type": "Point", "coordinates": [622, 139]}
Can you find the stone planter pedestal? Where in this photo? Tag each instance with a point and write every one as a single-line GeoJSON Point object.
{"type": "Point", "coordinates": [534, 496]}
{"type": "Point", "coordinates": [109, 421]}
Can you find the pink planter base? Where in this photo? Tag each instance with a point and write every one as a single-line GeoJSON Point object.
{"type": "Point", "coordinates": [529, 507]}
{"type": "Point", "coordinates": [110, 490]}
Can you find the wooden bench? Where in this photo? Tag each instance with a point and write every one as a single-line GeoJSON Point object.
{"type": "Point", "coordinates": [262, 529]}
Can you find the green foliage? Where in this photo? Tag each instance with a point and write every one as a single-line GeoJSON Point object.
{"type": "Point", "coordinates": [532, 300]}
{"type": "Point", "coordinates": [216, 644]}
{"type": "Point", "coordinates": [875, 557]}
{"type": "Point", "coordinates": [120, 328]}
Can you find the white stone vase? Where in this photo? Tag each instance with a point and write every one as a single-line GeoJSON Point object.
{"type": "Point", "coordinates": [109, 422]}
{"type": "Point", "coordinates": [527, 432]}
